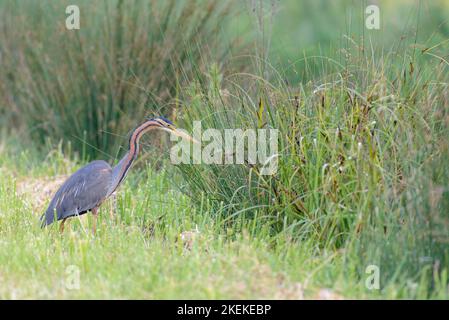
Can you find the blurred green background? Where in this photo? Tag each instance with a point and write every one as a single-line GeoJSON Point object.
{"type": "Point", "coordinates": [130, 58]}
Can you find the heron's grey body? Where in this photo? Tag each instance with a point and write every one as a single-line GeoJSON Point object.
{"type": "Point", "coordinates": [83, 191]}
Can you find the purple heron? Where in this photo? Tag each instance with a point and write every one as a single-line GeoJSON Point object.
{"type": "Point", "coordinates": [90, 186]}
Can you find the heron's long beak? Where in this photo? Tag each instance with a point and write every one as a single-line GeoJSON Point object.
{"type": "Point", "coordinates": [181, 134]}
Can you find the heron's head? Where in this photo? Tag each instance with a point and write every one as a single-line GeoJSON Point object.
{"type": "Point", "coordinates": [166, 125]}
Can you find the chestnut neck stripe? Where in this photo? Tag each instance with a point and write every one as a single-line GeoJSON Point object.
{"type": "Point", "coordinates": [134, 146]}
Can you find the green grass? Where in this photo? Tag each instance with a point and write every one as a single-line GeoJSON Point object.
{"type": "Point", "coordinates": [362, 158]}
{"type": "Point", "coordinates": [139, 254]}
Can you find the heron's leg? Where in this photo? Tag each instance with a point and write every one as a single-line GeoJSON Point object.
{"type": "Point", "coordinates": [113, 207]}
{"type": "Point", "coordinates": [61, 226]}
{"type": "Point", "coordinates": [95, 214]}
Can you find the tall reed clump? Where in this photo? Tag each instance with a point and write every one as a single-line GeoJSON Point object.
{"type": "Point", "coordinates": [363, 155]}
{"type": "Point", "coordinates": [87, 86]}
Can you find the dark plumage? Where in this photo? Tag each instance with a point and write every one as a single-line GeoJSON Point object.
{"type": "Point", "coordinates": [84, 190]}
{"type": "Point", "coordinates": [162, 118]}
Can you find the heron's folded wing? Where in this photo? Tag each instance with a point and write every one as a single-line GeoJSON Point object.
{"type": "Point", "coordinates": [83, 191]}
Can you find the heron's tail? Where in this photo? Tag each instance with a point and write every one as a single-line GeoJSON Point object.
{"type": "Point", "coordinates": [43, 221]}
{"type": "Point", "coordinates": [46, 219]}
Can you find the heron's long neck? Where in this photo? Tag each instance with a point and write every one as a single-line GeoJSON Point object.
{"type": "Point", "coordinates": [120, 171]}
